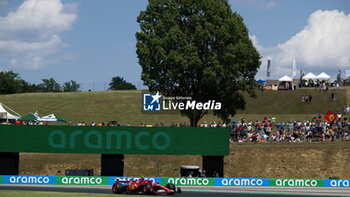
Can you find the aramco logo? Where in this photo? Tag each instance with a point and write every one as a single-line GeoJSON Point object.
{"type": "Point", "coordinates": [109, 140]}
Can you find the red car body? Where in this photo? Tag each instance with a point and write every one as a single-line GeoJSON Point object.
{"type": "Point", "coordinates": [141, 186]}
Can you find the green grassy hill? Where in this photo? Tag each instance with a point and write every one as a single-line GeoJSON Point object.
{"type": "Point", "coordinates": [289, 102]}
{"type": "Point", "coordinates": [125, 106]}
{"type": "Point", "coordinates": [287, 160]}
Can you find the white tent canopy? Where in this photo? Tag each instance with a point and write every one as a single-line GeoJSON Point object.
{"type": "Point", "coordinates": [323, 76]}
{"type": "Point", "coordinates": [48, 118]}
{"type": "Point", "coordinates": [51, 118]}
{"type": "Point", "coordinates": [310, 76]}
{"type": "Point", "coordinates": [8, 115]}
{"type": "Point", "coordinates": [285, 78]}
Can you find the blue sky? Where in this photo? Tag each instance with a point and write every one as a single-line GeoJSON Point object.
{"type": "Point", "coordinates": [92, 41]}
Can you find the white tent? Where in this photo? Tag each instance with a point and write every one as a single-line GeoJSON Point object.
{"type": "Point", "coordinates": [51, 118]}
{"type": "Point", "coordinates": [323, 76]}
{"type": "Point", "coordinates": [310, 76]}
{"type": "Point", "coordinates": [8, 115]}
{"type": "Point", "coordinates": [48, 118]}
{"type": "Point", "coordinates": [285, 78]}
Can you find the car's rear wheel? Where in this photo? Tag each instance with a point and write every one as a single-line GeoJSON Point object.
{"type": "Point", "coordinates": [178, 189]}
{"type": "Point", "coordinates": [118, 188]}
{"type": "Point", "coordinates": [148, 189]}
{"type": "Point", "coordinates": [172, 187]}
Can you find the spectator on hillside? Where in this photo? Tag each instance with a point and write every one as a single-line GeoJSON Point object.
{"type": "Point", "coordinates": [282, 126]}
{"type": "Point", "coordinates": [233, 131]}
{"type": "Point", "coordinates": [205, 124]}
{"type": "Point", "coordinates": [310, 98]}
{"type": "Point", "coordinates": [333, 97]}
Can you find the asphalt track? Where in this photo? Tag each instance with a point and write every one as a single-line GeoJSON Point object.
{"type": "Point", "coordinates": [201, 191]}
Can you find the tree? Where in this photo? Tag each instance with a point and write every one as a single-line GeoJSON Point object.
{"type": "Point", "coordinates": [24, 86]}
{"type": "Point", "coordinates": [197, 48]}
{"type": "Point", "coordinates": [339, 77]}
{"type": "Point", "coordinates": [71, 86]}
{"type": "Point", "coordinates": [8, 82]}
{"type": "Point", "coordinates": [50, 85]}
{"type": "Point", "coordinates": [118, 83]}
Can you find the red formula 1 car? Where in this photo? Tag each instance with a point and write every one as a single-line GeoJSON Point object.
{"type": "Point", "coordinates": [142, 186]}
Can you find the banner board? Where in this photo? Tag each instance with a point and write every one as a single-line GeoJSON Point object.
{"type": "Point", "coordinates": [296, 182]}
{"type": "Point", "coordinates": [81, 180]}
{"type": "Point", "coordinates": [337, 182]}
{"type": "Point", "coordinates": [37, 180]}
{"type": "Point", "coordinates": [189, 181]}
{"type": "Point", "coordinates": [114, 140]}
{"type": "Point", "coordinates": [241, 182]}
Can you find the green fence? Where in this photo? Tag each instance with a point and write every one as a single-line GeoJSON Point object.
{"type": "Point", "coordinates": [114, 140]}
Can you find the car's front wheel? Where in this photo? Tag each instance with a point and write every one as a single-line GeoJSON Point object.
{"type": "Point", "coordinates": [118, 188]}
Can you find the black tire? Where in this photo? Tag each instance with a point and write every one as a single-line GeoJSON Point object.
{"type": "Point", "coordinates": [118, 188]}
{"type": "Point", "coordinates": [178, 189]}
{"type": "Point", "coordinates": [148, 189]}
{"type": "Point", "coordinates": [171, 186]}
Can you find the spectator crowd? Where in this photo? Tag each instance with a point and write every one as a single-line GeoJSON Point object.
{"type": "Point", "coordinates": [265, 130]}
{"type": "Point", "coordinates": [268, 130]}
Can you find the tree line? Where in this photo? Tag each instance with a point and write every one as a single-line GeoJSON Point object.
{"type": "Point", "coordinates": [12, 83]}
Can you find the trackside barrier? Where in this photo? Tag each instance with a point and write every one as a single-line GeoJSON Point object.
{"type": "Point", "coordinates": [41, 180]}
{"type": "Point", "coordinates": [82, 180]}
{"type": "Point", "coordinates": [241, 182]}
{"type": "Point", "coordinates": [336, 183]}
{"type": "Point", "coordinates": [189, 181]}
{"type": "Point", "coordinates": [296, 182]}
{"type": "Point", "coordinates": [179, 181]}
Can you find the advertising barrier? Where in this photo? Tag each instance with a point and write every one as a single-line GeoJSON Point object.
{"type": "Point", "coordinates": [189, 181]}
{"type": "Point", "coordinates": [41, 180]}
{"type": "Point", "coordinates": [82, 180]}
{"type": "Point", "coordinates": [178, 181]}
{"type": "Point", "coordinates": [241, 182]}
{"type": "Point", "coordinates": [114, 140]}
{"type": "Point", "coordinates": [336, 183]}
{"type": "Point", "coordinates": [296, 182]}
